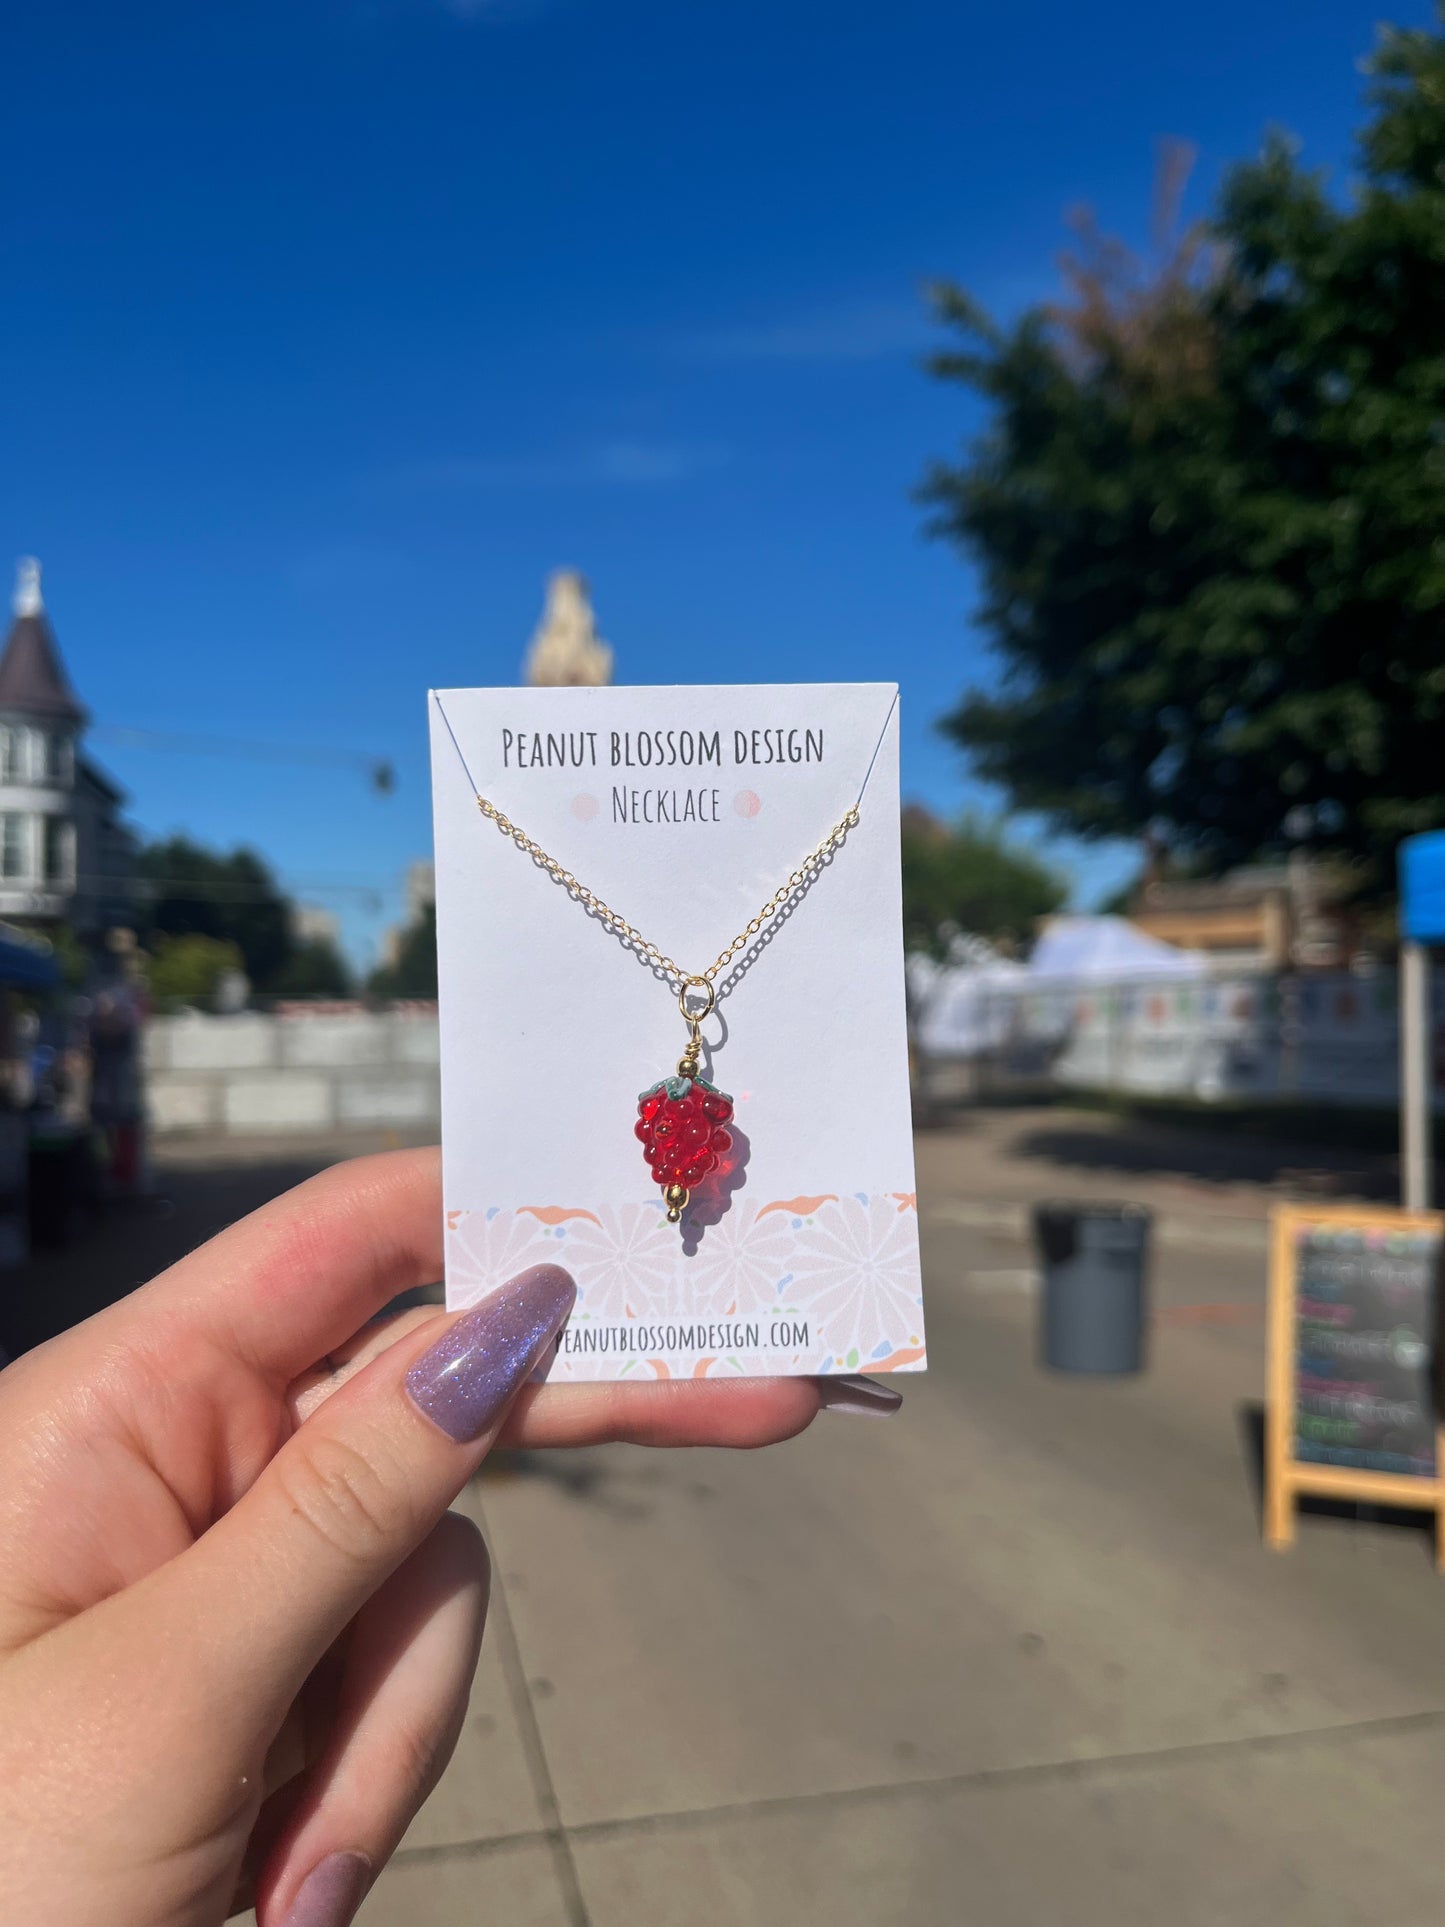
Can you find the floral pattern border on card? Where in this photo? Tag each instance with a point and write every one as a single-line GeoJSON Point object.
{"type": "Point", "coordinates": [825, 1283]}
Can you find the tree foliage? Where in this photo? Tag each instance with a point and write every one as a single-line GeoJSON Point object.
{"type": "Point", "coordinates": [970, 879]}
{"type": "Point", "coordinates": [1208, 511]}
{"type": "Point", "coordinates": [414, 971]}
{"type": "Point", "coordinates": [232, 898]}
{"type": "Point", "coordinates": [314, 968]}
{"type": "Point", "coordinates": [188, 968]}
{"type": "Point", "coordinates": [75, 961]}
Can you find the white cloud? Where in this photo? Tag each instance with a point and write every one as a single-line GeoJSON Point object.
{"type": "Point", "coordinates": [610, 464]}
{"type": "Point", "coordinates": [858, 332]}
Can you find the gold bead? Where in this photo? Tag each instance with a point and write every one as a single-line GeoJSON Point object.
{"type": "Point", "coordinates": [676, 1197]}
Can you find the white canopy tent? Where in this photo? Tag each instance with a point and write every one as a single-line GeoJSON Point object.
{"type": "Point", "coordinates": [1093, 949]}
{"type": "Point", "coordinates": [968, 1006]}
{"type": "Point", "coordinates": [962, 1008]}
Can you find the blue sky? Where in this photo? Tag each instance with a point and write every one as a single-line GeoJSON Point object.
{"type": "Point", "coordinates": [330, 327]}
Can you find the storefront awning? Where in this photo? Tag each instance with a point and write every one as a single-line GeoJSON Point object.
{"type": "Point", "coordinates": [25, 966]}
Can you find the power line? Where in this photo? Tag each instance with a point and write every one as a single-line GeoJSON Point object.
{"type": "Point", "coordinates": [379, 771]}
{"type": "Point", "coordinates": [218, 890]}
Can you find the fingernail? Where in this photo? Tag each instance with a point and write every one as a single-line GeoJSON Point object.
{"type": "Point", "coordinates": [865, 1396]}
{"type": "Point", "coordinates": [331, 1893]}
{"type": "Point", "coordinates": [470, 1376]}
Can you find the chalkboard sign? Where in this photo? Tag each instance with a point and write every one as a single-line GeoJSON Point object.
{"type": "Point", "coordinates": [1353, 1408]}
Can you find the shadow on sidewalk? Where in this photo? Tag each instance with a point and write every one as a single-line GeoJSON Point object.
{"type": "Point", "coordinates": [1146, 1146]}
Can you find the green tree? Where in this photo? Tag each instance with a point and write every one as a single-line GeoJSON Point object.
{"type": "Point", "coordinates": [315, 968]}
{"type": "Point", "coordinates": [234, 898]}
{"type": "Point", "coordinates": [1207, 510]}
{"type": "Point", "coordinates": [72, 956]}
{"type": "Point", "coordinates": [187, 968]}
{"type": "Point", "coordinates": [414, 973]}
{"type": "Point", "coordinates": [970, 879]}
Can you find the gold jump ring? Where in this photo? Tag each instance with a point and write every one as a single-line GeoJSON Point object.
{"type": "Point", "coordinates": [703, 985]}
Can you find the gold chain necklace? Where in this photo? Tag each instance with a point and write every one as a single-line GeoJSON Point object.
{"type": "Point", "coordinates": [681, 980]}
{"type": "Point", "coordinates": [681, 1121]}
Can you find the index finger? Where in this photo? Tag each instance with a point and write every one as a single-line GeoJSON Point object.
{"type": "Point", "coordinates": [279, 1288]}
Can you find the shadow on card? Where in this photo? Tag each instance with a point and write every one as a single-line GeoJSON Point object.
{"type": "Point", "coordinates": [713, 1200]}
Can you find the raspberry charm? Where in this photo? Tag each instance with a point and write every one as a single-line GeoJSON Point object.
{"type": "Point", "coordinates": [682, 1122]}
{"type": "Point", "coordinates": [682, 1125]}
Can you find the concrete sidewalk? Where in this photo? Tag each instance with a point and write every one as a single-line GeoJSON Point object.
{"type": "Point", "coordinates": [1064, 1150]}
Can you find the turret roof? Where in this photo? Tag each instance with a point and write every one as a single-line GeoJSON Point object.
{"type": "Point", "coordinates": [32, 676]}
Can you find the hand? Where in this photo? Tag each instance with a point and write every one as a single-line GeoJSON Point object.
{"type": "Point", "coordinates": [237, 1623]}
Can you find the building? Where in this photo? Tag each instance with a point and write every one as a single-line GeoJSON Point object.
{"type": "Point", "coordinates": [566, 651]}
{"type": "Point", "coordinates": [311, 924]}
{"type": "Point", "coordinates": [1276, 916]}
{"type": "Point", "coordinates": [421, 889]}
{"type": "Point", "coordinates": [66, 855]}
{"type": "Point", "coordinates": [420, 892]}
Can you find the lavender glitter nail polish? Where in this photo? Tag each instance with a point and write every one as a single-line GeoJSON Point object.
{"type": "Point", "coordinates": [470, 1376]}
{"type": "Point", "coordinates": [331, 1893]}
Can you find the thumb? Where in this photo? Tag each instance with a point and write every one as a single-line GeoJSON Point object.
{"type": "Point", "coordinates": [355, 1489]}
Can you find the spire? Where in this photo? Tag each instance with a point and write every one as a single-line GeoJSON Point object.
{"type": "Point", "coordinates": [28, 599]}
{"type": "Point", "coordinates": [566, 650]}
{"type": "Point", "coordinates": [33, 681]}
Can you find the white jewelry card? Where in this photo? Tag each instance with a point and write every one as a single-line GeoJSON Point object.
{"type": "Point", "coordinates": [683, 809]}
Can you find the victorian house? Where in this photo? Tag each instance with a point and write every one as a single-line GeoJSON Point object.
{"type": "Point", "coordinates": [66, 856]}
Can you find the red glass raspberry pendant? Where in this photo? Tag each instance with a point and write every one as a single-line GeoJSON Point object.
{"type": "Point", "coordinates": [682, 1125]}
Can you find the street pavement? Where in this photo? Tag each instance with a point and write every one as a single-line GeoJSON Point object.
{"type": "Point", "coordinates": [1014, 1657]}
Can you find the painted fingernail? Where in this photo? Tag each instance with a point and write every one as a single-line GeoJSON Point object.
{"type": "Point", "coordinates": [331, 1893]}
{"type": "Point", "coordinates": [470, 1376]}
{"type": "Point", "coordinates": [865, 1396]}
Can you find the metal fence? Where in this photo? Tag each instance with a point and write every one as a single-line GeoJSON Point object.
{"type": "Point", "coordinates": [1331, 1037]}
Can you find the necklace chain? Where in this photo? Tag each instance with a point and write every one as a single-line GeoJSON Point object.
{"type": "Point", "coordinates": [620, 927]}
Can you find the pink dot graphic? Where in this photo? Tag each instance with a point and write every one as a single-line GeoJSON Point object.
{"type": "Point", "coordinates": [747, 802]}
{"type": "Point", "coordinates": [584, 807]}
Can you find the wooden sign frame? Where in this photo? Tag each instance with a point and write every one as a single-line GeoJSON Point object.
{"type": "Point", "coordinates": [1286, 1478]}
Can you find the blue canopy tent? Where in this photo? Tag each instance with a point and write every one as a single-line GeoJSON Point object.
{"type": "Point", "coordinates": [1422, 923]}
{"type": "Point", "coordinates": [27, 966]}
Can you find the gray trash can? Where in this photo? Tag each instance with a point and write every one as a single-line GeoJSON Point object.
{"type": "Point", "coordinates": [1094, 1303]}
